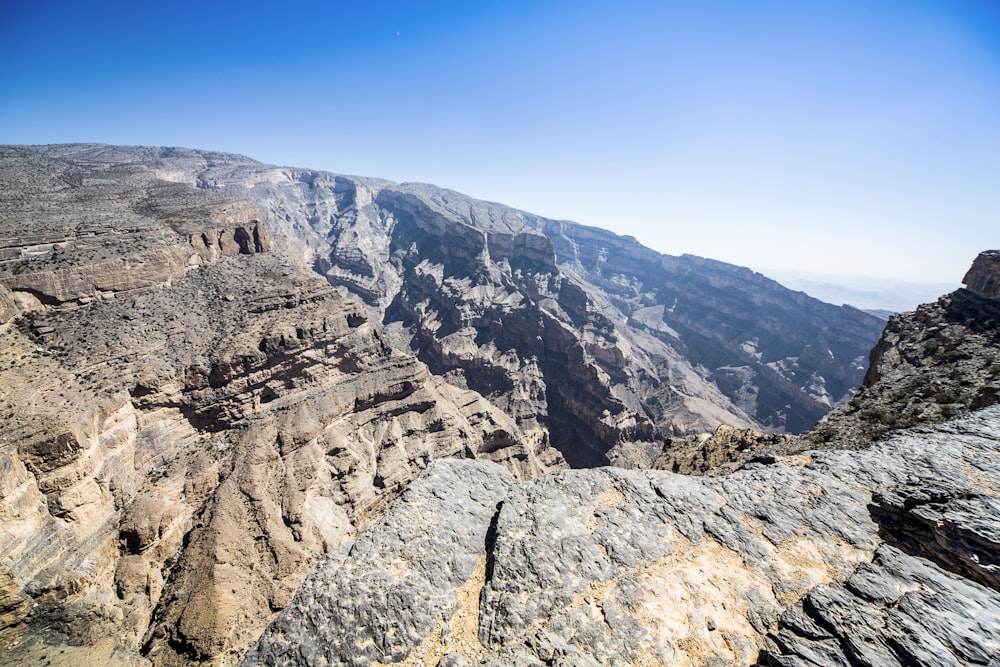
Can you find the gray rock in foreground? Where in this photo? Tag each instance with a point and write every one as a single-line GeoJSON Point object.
{"type": "Point", "coordinates": [377, 597]}
{"type": "Point", "coordinates": [882, 557]}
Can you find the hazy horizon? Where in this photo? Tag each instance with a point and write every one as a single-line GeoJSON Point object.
{"type": "Point", "coordinates": [841, 138]}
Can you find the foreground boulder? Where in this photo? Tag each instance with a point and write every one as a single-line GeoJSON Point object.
{"type": "Point", "coordinates": [889, 556]}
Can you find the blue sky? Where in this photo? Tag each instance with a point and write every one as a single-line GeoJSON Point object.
{"type": "Point", "coordinates": [839, 137]}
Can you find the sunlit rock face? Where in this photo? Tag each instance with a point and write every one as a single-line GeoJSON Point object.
{"type": "Point", "coordinates": [984, 274]}
{"type": "Point", "coordinates": [593, 344]}
{"type": "Point", "coordinates": [190, 417]}
{"type": "Point", "coordinates": [214, 371]}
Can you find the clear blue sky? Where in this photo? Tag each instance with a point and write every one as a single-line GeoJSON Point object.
{"type": "Point", "coordinates": [834, 136]}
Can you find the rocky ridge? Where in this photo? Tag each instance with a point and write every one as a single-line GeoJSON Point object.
{"type": "Point", "coordinates": [888, 556]}
{"type": "Point", "coordinates": [941, 360]}
{"type": "Point", "coordinates": [934, 363]}
{"type": "Point", "coordinates": [190, 416]}
{"type": "Point", "coordinates": [594, 345]}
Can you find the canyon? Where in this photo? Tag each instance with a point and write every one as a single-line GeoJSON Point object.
{"type": "Point", "coordinates": [376, 419]}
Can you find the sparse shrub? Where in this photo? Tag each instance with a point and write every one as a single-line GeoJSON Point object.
{"type": "Point", "coordinates": [878, 415]}
{"type": "Point", "coordinates": [945, 396]}
{"type": "Point", "coordinates": [824, 433]}
{"type": "Point", "coordinates": [951, 356]}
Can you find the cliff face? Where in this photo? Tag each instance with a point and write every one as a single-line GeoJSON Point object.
{"type": "Point", "coordinates": [941, 360]}
{"type": "Point", "coordinates": [883, 557]}
{"type": "Point", "coordinates": [189, 418]}
{"type": "Point", "coordinates": [593, 344]}
{"type": "Point", "coordinates": [983, 277]}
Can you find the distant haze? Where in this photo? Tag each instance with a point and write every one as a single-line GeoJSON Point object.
{"type": "Point", "coordinates": [864, 292]}
{"type": "Point", "coordinates": [844, 137]}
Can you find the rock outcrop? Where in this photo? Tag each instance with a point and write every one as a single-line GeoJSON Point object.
{"type": "Point", "coordinates": [983, 276]}
{"type": "Point", "coordinates": [189, 418]}
{"type": "Point", "coordinates": [887, 556]}
{"type": "Point", "coordinates": [716, 453]}
{"type": "Point", "coordinates": [941, 360]}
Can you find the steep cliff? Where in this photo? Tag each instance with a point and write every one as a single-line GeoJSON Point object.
{"type": "Point", "coordinates": [887, 556]}
{"type": "Point", "coordinates": [593, 344]}
{"type": "Point", "coordinates": [190, 417]}
{"type": "Point", "coordinates": [938, 361]}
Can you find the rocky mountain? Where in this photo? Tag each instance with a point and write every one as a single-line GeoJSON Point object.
{"type": "Point", "coordinates": [593, 344]}
{"type": "Point", "coordinates": [889, 556]}
{"type": "Point", "coordinates": [938, 361]}
{"type": "Point", "coordinates": [934, 363]}
{"type": "Point", "coordinates": [213, 371]}
{"type": "Point", "coordinates": [189, 418]}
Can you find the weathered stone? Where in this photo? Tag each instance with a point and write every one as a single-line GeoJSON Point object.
{"type": "Point", "coordinates": [8, 309]}
{"type": "Point", "coordinates": [180, 440]}
{"type": "Point", "coordinates": [419, 571]}
{"type": "Point", "coordinates": [983, 276]}
{"type": "Point", "coordinates": [793, 564]}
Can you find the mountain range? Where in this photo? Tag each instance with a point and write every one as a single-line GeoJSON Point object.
{"type": "Point", "coordinates": [216, 371]}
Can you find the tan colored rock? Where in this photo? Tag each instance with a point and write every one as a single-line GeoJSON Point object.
{"type": "Point", "coordinates": [224, 398]}
{"type": "Point", "coordinates": [8, 308]}
{"type": "Point", "coordinates": [721, 450]}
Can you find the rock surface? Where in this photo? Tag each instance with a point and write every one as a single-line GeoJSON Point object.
{"type": "Point", "coordinates": [189, 418]}
{"type": "Point", "coordinates": [887, 556]}
{"type": "Point", "coordinates": [941, 360]}
{"type": "Point", "coordinates": [715, 453]}
{"type": "Point", "coordinates": [983, 277]}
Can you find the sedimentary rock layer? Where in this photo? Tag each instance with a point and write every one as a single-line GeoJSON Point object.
{"type": "Point", "coordinates": [189, 418]}
{"type": "Point", "coordinates": [592, 343]}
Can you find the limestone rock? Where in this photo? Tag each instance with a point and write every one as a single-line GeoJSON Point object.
{"type": "Point", "coordinates": [8, 309]}
{"type": "Point", "coordinates": [420, 573]}
{"type": "Point", "coordinates": [983, 276]}
{"type": "Point", "coordinates": [595, 346]}
{"type": "Point", "coordinates": [896, 610]}
{"type": "Point", "coordinates": [701, 454]}
{"type": "Point", "coordinates": [190, 418]}
{"type": "Point", "coordinates": [789, 564]}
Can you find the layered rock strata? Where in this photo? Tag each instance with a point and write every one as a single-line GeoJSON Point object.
{"type": "Point", "coordinates": [593, 344]}
{"type": "Point", "coordinates": [887, 556]}
{"type": "Point", "coordinates": [189, 418]}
